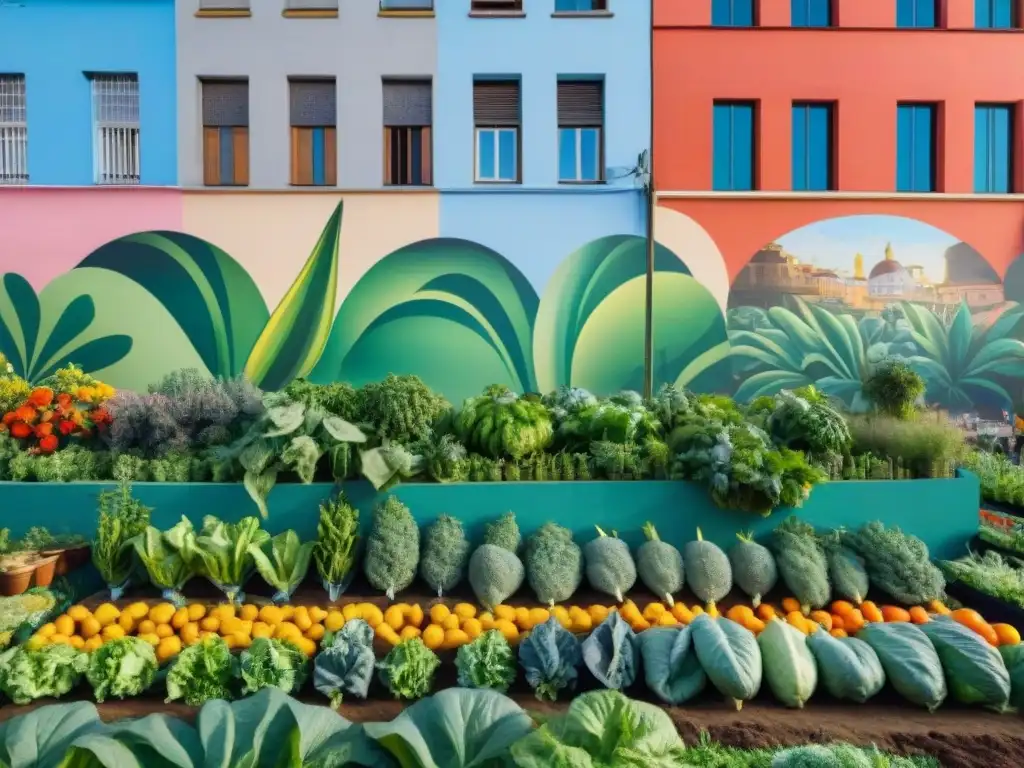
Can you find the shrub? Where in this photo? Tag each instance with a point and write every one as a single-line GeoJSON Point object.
{"type": "Point", "coordinates": [895, 388]}
{"type": "Point", "coordinates": [929, 446]}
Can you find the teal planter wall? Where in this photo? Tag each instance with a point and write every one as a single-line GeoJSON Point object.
{"type": "Point", "coordinates": [944, 513]}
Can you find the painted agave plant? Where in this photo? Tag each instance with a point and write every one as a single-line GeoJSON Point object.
{"type": "Point", "coordinates": [966, 364]}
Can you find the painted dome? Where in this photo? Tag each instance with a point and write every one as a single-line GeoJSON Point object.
{"type": "Point", "coordinates": [885, 268]}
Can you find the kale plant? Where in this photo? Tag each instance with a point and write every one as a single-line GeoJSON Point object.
{"type": "Point", "coordinates": [400, 408]}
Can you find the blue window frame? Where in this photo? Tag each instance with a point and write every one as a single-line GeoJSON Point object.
{"type": "Point", "coordinates": [915, 148]}
{"type": "Point", "coordinates": [812, 147]}
{"type": "Point", "coordinates": [733, 156]}
{"type": "Point", "coordinates": [579, 6]}
{"type": "Point", "coordinates": [916, 13]}
{"type": "Point", "coordinates": [579, 154]}
{"type": "Point", "coordinates": [994, 14]}
{"type": "Point", "coordinates": [811, 13]}
{"type": "Point", "coordinates": [993, 148]}
{"type": "Point", "coordinates": [732, 13]}
{"type": "Point", "coordinates": [497, 152]}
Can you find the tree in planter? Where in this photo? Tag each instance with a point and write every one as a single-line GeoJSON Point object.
{"type": "Point", "coordinates": [895, 389]}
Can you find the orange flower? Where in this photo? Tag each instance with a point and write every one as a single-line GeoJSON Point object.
{"type": "Point", "coordinates": [41, 397]}
{"type": "Point", "coordinates": [9, 417]}
{"type": "Point", "coordinates": [100, 416]}
{"type": "Point", "coordinates": [66, 427]}
{"type": "Point", "coordinates": [84, 394]}
{"type": "Point", "coordinates": [26, 413]}
{"type": "Point", "coordinates": [64, 401]}
{"type": "Point", "coordinates": [44, 428]}
{"type": "Point", "coordinates": [48, 444]}
{"type": "Point", "coordinates": [20, 430]}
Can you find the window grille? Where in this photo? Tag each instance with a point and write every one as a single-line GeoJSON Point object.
{"type": "Point", "coordinates": [13, 131]}
{"type": "Point", "coordinates": [115, 101]}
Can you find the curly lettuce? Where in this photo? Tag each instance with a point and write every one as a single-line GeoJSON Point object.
{"type": "Point", "coordinates": [408, 669]}
{"type": "Point", "coordinates": [50, 672]}
{"type": "Point", "coordinates": [202, 672]}
{"type": "Point", "coordinates": [271, 663]}
{"type": "Point", "coordinates": [122, 667]}
{"type": "Point", "coordinates": [487, 662]}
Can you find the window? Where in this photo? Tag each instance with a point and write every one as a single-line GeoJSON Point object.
{"type": "Point", "coordinates": [916, 13]}
{"type": "Point", "coordinates": [733, 146]}
{"type": "Point", "coordinates": [993, 148]}
{"type": "Point", "coordinates": [811, 13]}
{"type": "Point", "coordinates": [732, 13]}
{"type": "Point", "coordinates": [500, 6]}
{"type": "Point", "coordinates": [407, 5]}
{"type": "Point", "coordinates": [580, 6]}
{"type": "Point", "coordinates": [224, 5]}
{"type": "Point", "coordinates": [312, 5]}
{"type": "Point", "coordinates": [994, 14]}
{"type": "Point", "coordinates": [496, 118]}
{"type": "Point", "coordinates": [115, 109]}
{"type": "Point", "coordinates": [812, 147]}
{"type": "Point", "coordinates": [580, 124]}
{"type": "Point", "coordinates": [407, 121]}
{"type": "Point", "coordinates": [13, 131]}
{"type": "Point", "coordinates": [314, 133]}
{"type": "Point", "coordinates": [915, 148]}
{"type": "Point", "coordinates": [225, 133]}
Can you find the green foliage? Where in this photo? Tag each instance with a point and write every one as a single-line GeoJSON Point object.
{"type": "Point", "coordinates": [224, 553]}
{"type": "Point", "coordinates": [495, 571]}
{"type": "Point", "coordinates": [554, 564]}
{"type": "Point", "coordinates": [1001, 480]}
{"type": "Point", "coordinates": [337, 398]}
{"type": "Point", "coordinates": [168, 557]}
{"type": "Point", "coordinates": [609, 565]}
{"type": "Point", "coordinates": [897, 563]}
{"type": "Point", "coordinates": [120, 668]}
{"type": "Point", "coordinates": [282, 561]}
{"type": "Point", "coordinates": [802, 563]}
{"type": "Point", "coordinates": [401, 408]}
{"type": "Point", "coordinates": [990, 573]}
{"type": "Point", "coordinates": [445, 459]}
{"type": "Point", "coordinates": [499, 424]}
{"type": "Point", "coordinates": [49, 672]}
{"type": "Point", "coordinates": [393, 548]}
{"type": "Point", "coordinates": [607, 421]}
{"type": "Point", "coordinates": [444, 556]}
{"type": "Point", "coordinates": [272, 663]}
{"type": "Point", "coordinates": [408, 669]}
{"type": "Point", "coordinates": [504, 533]}
{"type": "Point", "coordinates": [202, 672]}
{"type": "Point", "coordinates": [486, 662]}
{"type": "Point", "coordinates": [925, 447]}
{"type": "Point", "coordinates": [337, 542]}
{"type": "Point", "coordinates": [550, 657]}
{"type": "Point", "coordinates": [894, 388]}
{"type": "Point", "coordinates": [802, 421]}
{"type": "Point", "coordinates": [121, 518]}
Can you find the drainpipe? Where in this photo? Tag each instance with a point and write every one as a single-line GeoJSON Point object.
{"type": "Point", "coordinates": [650, 201]}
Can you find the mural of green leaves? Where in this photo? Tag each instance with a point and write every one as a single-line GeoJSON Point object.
{"type": "Point", "coordinates": [210, 295]}
{"type": "Point", "coordinates": [38, 335]}
{"type": "Point", "coordinates": [454, 312]}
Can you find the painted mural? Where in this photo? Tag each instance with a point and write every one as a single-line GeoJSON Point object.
{"type": "Point", "coordinates": [460, 315]}
{"type": "Point", "coordinates": [826, 302]}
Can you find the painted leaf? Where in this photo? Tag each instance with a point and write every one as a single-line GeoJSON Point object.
{"type": "Point", "coordinates": [297, 332]}
{"type": "Point", "coordinates": [208, 294]}
{"type": "Point", "coordinates": [455, 313]}
{"type": "Point", "coordinates": [572, 298]}
{"type": "Point", "coordinates": [41, 334]}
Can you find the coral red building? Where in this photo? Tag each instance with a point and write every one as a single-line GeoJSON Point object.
{"type": "Point", "coordinates": [772, 115]}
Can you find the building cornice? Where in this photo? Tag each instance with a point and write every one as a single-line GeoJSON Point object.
{"type": "Point", "coordinates": [935, 197]}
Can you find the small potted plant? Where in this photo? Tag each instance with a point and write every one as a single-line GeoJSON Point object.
{"type": "Point", "coordinates": [16, 566]}
{"type": "Point", "coordinates": [41, 542]}
{"type": "Point", "coordinates": [71, 551]}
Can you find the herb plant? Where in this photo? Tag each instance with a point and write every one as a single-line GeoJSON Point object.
{"type": "Point", "coordinates": [337, 541]}
{"type": "Point", "coordinates": [121, 518]}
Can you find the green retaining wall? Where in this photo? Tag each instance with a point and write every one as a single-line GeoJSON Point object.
{"type": "Point", "coordinates": [944, 513]}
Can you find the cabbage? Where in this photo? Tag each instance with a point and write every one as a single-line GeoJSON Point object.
{"type": "Point", "coordinates": [270, 663]}
{"type": "Point", "coordinates": [51, 671]}
{"type": "Point", "coordinates": [346, 665]}
{"type": "Point", "coordinates": [848, 668]}
{"type": "Point", "coordinates": [123, 667]}
{"type": "Point", "coordinates": [788, 663]}
{"type": "Point", "coordinates": [729, 655]}
{"type": "Point", "coordinates": [550, 655]}
{"type": "Point", "coordinates": [975, 671]}
{"type": "Point", "coordinates": [671, 668]}
{"type": "Point", "coordinates": [909, 660]}
{"type": "Point", "coordinates": [487, 662]}
{"type": "Point", "coordinates": [610, 652]}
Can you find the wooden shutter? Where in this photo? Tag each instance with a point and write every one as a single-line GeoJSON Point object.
{"type": "Point", "coordinates": [496, 103]}
{"type": "Point", "coordinates": [313, 103]}
{"type": "Point", "coordinates": [580, 103]}
{"type": "Point", "coordinates": [407, 103]}
{"type": "Point", "coordinates": [225, 103]}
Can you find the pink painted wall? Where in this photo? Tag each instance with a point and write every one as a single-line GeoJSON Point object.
{"type": "Point", "coordinates": [46, 232]}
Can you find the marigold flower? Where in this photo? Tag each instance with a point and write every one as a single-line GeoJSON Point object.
{"type": "Point", "coordinates": [83, 394]}
{"type": "Point", "coordinates": [20, 430]}
{"type": "Point", "coordinates": [64, 401]}
{"type": "Point", "coordinates": [100, 416]}
{"type": "Point", "coordinates": [66, 427]}
{"type": "Point", "coordinates": [48, 444]}
{"type": "Point", "coordinates": [26, 413]}
{"type": "Point", "coordinates": [9, 417]}
{"type": "Point", "coordinates": [41, 397]}
{"type": "Point", "coordinates": [44, 428]}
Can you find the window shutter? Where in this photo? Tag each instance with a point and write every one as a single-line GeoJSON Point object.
{"type": "Point", "coordinates": [496, 103]}
{"type": "Point", "coordinates": [225, 103]}
{"type": "Point", "coordinates": [580, 103]}
{"type": "Point", "coordinates": [407, 103]}
{"type": "Point", "coordinates": [313, 103]}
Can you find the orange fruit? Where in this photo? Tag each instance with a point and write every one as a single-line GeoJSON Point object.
{"type": "Point", "coordinates": [895, 613]}
{"type": "Point", "coordinates": [1007, 634]}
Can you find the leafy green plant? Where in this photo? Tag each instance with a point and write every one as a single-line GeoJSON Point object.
{"type": "Point", "coordinates": [401, 408]}
{"type": "Point", "coordinates": [123, 667]}
{"type": "Point", "coordinates": [897, 563]}
{"type": "Point", "coordinates": [499, 424]}
{"type": "Point", "coordinates": [894, 388]}
{"type": "Point", "coordinates": [551, 657]}
{"type": "Point", "coordinates": [928, 446]}
{"type": "Point", "coordinates": [282, 561]}
{"type": "Point", "coordinates": [345, 665]}
{"type": "Point", "coordinates": [269, 662]}
{"type": "Point", "coordinates": [49, 672]}
{"type": "Point", "coordinates": [803, 421]}
{"type": "Point", "coordinates": [121, 518]}
{"type": "Point", "coordinates": [393, 548]}
{"type": "Point", "coordinates": [990, 573]}
{"type": "Point", "coordinates": [614, 422]}
{"type": "Point", "coordinates": [486, 662]}
{"type": "Point", "coordinates": [337, 544]}
{"type": "Point", "coordinates": [291, 437]}
{"type": "Point", "coordinates": [168, 557]}
{"type": "Point", "coordinates": [203, 672]}
{"type": "Point", "coordinates": [408, 669]}
{"type": "Point", "coordinates": [223, 553]}
{"type": "Point", "coordinates": [445, 552]}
